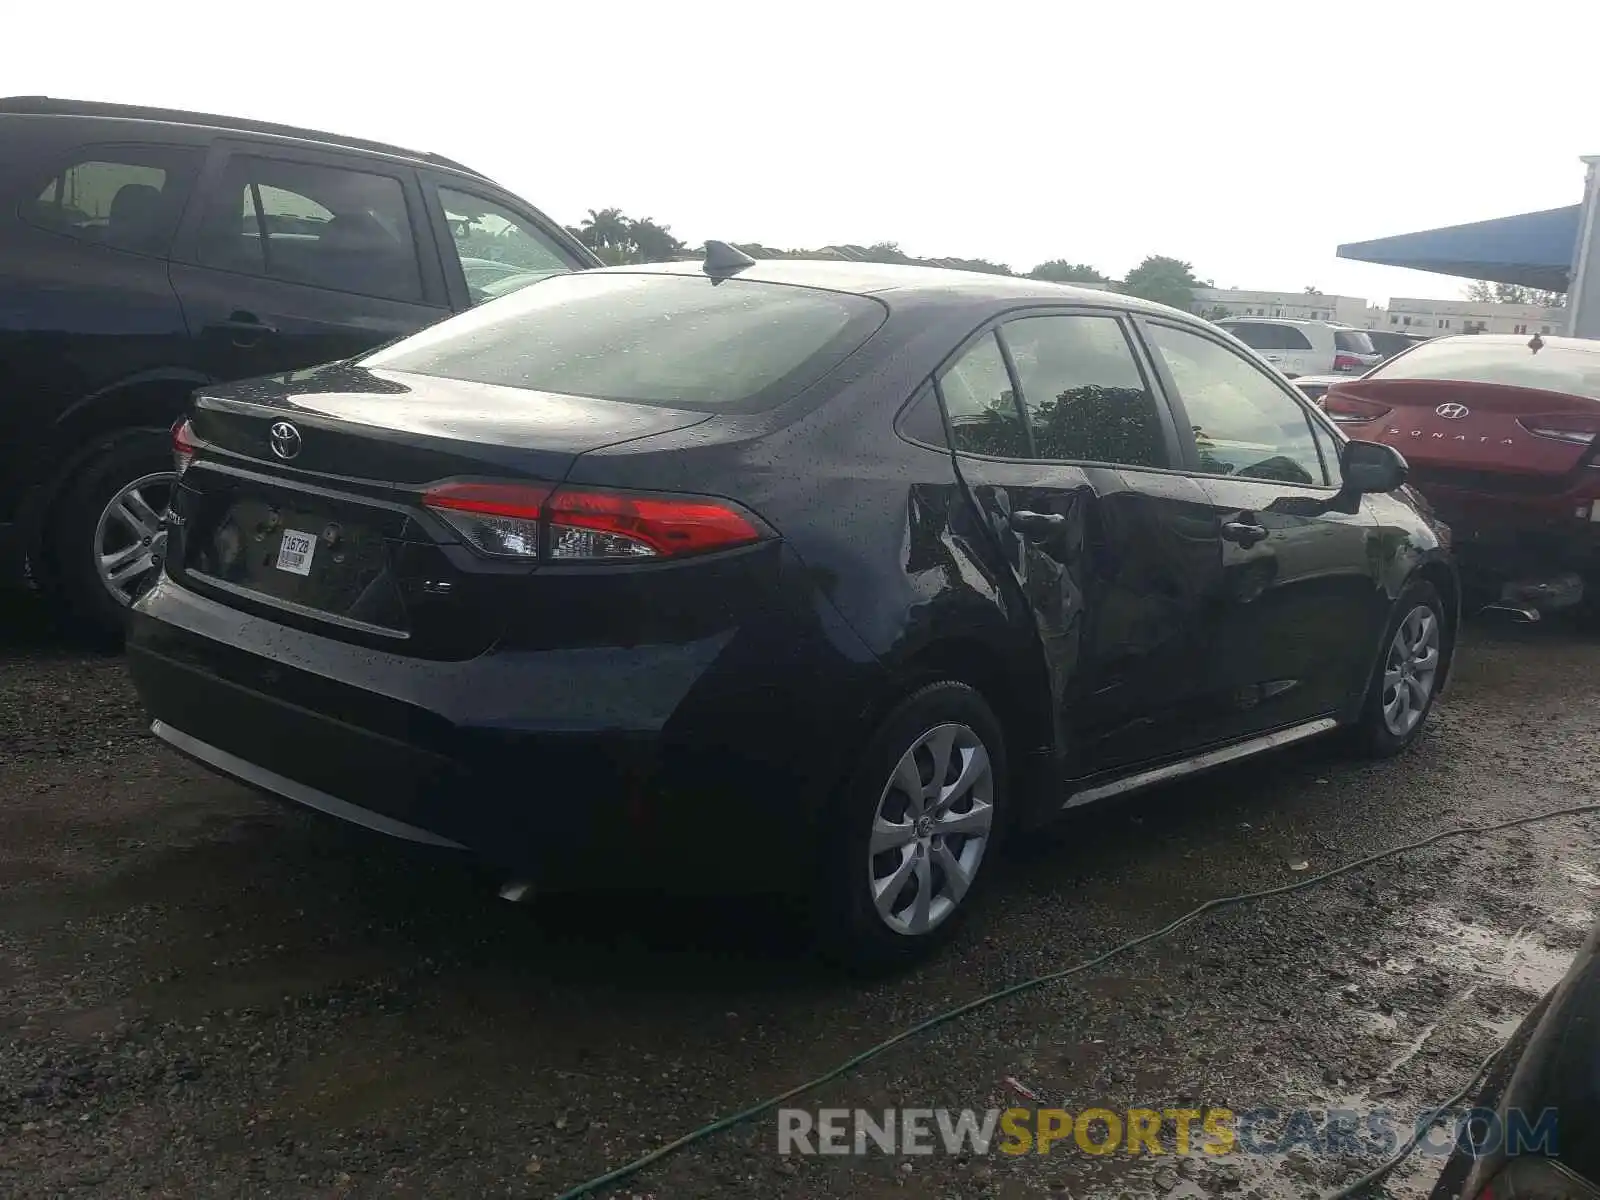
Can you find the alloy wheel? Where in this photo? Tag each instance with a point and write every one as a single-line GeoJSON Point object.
{"type": "Point", "coordinates": [128, 533]}
{"type": "Point", "coordinates": [933, 823]}
{"type": "Point", "coordinates": [1410, 670]}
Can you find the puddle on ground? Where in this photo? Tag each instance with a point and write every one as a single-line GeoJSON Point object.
{"type": "Point", "coordinates": [1518, 959]}
{"type": "Point", "coordinates": [1580, 875]}
{"type": "Point", "coordinates": [1384, 1026]}
{"type": "Point", "coordinates": [1573, 918]}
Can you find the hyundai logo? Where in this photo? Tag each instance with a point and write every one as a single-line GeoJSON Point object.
{"type": "Point", "coordinates": [1452, 412]}
{"type": "Point", "coordinates": [284, 440]}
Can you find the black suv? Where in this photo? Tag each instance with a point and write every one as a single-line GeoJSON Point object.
{"type": "Point", "coordinates": [145, 252]}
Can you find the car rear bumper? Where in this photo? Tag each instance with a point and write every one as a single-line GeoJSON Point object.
{"type": "Point", "coordinates": [577, 768]}
{"type": "Point", "coordinates": [1518, 535]}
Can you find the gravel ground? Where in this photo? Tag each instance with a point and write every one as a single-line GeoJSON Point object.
{"type": "Point", "coordinates": [203, 993]}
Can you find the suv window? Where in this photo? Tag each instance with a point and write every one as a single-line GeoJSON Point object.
{"type": "Point", "coordinates": [127, 197]}
{"type": "Point", "coordinates": [1353, 341]}
{"type": "Point", "coordinates": [681, 341]}
{"type": "Point", "coordinates": [499, 251]}
{"type": "Point", "coordinates": [324, 226]}
{"type": "Point", "coordinates": [981, 407]}
{"type": "Point", "coordinates": [1244, 424]}
{"type": "Point", "coordinates": [1262, 336]}
{"type": "Point", "coordinates": [1257, 337]}
{"type": "Point", "coordinates": [1085, 397]}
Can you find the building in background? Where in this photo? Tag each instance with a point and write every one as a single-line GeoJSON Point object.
{"type": "Point", "coordinates": [1218, 303]}
{"type": "Point", "coordinates": [1405, 314]}
{"type": "Point", "coordinates": [1436, 318]}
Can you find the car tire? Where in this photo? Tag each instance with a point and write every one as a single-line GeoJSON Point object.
{"type": "Point", "coordinates": [886, 910]}
{"type": "Point", "coordinates": [1402, 690]}
{"type": "Point", "coordinates": [134, 468]}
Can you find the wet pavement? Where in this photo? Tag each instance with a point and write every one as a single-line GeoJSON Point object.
{"type": "Point", "coordinates": [203, 993]}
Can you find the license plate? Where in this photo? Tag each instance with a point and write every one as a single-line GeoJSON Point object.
{"type": "Point", "coordinates": [295, 552]}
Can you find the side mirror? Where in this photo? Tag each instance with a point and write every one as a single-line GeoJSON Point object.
{"type": "Point", "coordinates": [1370, 467]}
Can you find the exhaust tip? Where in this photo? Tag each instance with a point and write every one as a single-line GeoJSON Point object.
{"type": "Point", "coordinates": [517, 891]}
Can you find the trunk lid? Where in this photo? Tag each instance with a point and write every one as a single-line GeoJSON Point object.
{"type": "Point", "coordinates": [323, 528]}
{"type": "Point", "coordinates": [360, 424]}
{"type": "Point", "coordinates": [1471, 432]}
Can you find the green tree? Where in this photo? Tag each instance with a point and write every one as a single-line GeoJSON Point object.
{"type": "Point", "coordinates": [653, 242]}
{"type": "Point", "coordinates": [606, 229]}
{"type": "Point", "coordinates": [1059, 270]}
{"type": "Point", "coordinates": [1164, 280]}
{"type": "Point", "coordinates": [972, 264]}
{"type": "Point", "coordinates": [1484, 292]}
{"type": "Point", "coordinates": [887, 252]}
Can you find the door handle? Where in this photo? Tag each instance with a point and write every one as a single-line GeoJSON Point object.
{"type": "Point", "coordinates": [244, 323]}
{"type": "Point", "coordinates": [1243, 533]}
{"type": "Point", "coordinates": [1035, 524]}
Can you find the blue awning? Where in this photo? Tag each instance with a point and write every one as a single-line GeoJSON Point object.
{"type": "Point", "coordinates": [1532, 249]}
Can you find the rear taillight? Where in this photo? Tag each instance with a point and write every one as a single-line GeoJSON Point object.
{"type": "Point", "coordinates": [1348, 362]}
{"type": "Point", "coordinates": [1578, 428]}
{"type": "Point", "coordinates": [182, 444]}
{"type": "Point", "coordinates": [536, 521]}
{"type": "Point", "coordinates": [1347, 409]}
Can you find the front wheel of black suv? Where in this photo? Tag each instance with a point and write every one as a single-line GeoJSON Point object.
{"type": "Point", "coordinates": [1410, 666]}
{"type": "Point", "coordinates": [105, 533]}
{"type": "Point", "coordinates": [915, 829]}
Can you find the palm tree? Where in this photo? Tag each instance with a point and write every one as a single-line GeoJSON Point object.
{"type": "Point", "coordinates": [605, 229]}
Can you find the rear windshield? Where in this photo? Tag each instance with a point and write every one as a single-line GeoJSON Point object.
{"type": "Point", "coordinates": [680, 341]}
{"type": "Point", "coordinates": [1353, 341]}
{"type": "Point", "coordinates": [1471, 360]}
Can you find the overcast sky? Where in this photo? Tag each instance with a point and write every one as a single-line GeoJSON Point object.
{"type": "Point", "coordinates": [1247, 139]}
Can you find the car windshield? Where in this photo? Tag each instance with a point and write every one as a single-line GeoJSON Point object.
{"type": "Point", "coordinates": [683, 341]}
{"type": "Point", "coordinates": [1554, 368]}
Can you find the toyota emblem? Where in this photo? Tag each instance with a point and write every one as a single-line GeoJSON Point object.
{"type": "Point", "coordinates": [284, 439]}
{"type": "Point", "coordinates": [1452, 412]}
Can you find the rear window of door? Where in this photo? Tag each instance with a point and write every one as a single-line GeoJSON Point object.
{"type": "Point", "coordinates": [1257, 337]}
{"type": "Point", "coordinates": [125, 197]}
{"type": "Point", "coordinates": [305, 223]}
{"type": "Point", "coordinates": [499, 251]}
{"type": "Point", "coordinates": [1244, 424]}
{"type": "Point", "coordinates": [1270, 337]}
{"type": "Point", "coordinates": [981, 405]}
{"type": "Point", "coordinates": [1083, 393]}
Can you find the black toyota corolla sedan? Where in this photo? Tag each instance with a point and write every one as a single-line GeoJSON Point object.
{"type": "Point", "coordinates": [780, 574]}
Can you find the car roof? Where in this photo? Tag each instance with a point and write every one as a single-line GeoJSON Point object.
{"type": "Point", "coordinates": [61, 107]}
{"type": "Point", "coordinates": [876, 279]}
{"type": "Point", "coordinates": [1286, 321]}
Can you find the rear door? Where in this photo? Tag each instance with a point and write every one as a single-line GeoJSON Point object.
{"type": "Point", "coordinates": [1264, 338]}
{"type": "Point", "coordinates": [1069, 455]}
{"type": "Point", "coordinates": [1296, 618]}
{"type": "Point", "coordinates": [85, 301]}
{"type": "Point", "coordinates": [1298, 354]}
{"type": "Point", "coordinates": [296, 257]}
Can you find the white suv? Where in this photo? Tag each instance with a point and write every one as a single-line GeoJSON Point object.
{"type": "Point", "coordinates": [1306, 347]}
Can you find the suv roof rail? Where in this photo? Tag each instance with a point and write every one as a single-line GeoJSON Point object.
{"type": "Point", "coordinates": [51, 105]}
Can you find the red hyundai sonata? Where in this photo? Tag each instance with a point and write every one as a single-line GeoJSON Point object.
{"type": "Point", "coordinates": [1501, 433]}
